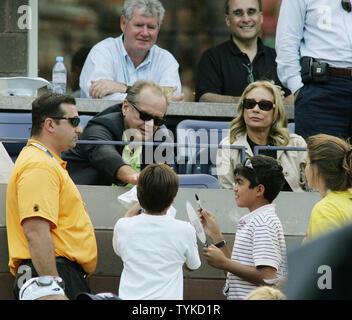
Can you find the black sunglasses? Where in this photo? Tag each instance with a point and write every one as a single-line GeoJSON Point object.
{"type": "Point", "coordinates": [346, 5]}
{"type": "Point", "coordinates": [147, 117]}
{"type": "Point", "coordinates": [264, 105]}
{"type": "Point", "coordinates": [75, 121]}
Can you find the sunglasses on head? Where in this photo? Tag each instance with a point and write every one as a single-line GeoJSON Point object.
{"type": "Point", "coordinates": [264, 105]}
{"type": "Point", "coordinates": [346, 5]}
{"type": "Point", "coordinates": [75, 121]}
{"type": "Point", "coordinates": [248, 164]}
{"type": "Point", "coordinates": [147, 117]}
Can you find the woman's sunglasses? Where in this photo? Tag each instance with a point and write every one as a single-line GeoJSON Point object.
{"type": "Point", "coordinates": [346, 5]}
{"type": "Point", "coordinates": [75, 121]}
{"type": "Point", "coordinates": [147, 117]}
{"type": "Point", "coordinates": [264, 105]}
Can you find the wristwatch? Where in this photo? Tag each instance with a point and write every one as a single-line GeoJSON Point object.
{"type": "Point", "coordinates": [220, 244]}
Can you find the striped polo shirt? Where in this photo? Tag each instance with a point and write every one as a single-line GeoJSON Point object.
{"type": "Point", "coordinates": [259, 241]}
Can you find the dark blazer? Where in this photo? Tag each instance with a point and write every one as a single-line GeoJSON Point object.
{"type": "Point", "coordinates": [97, 164]}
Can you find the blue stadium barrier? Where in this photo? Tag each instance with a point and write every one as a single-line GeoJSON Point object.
{"type": "Point", "coordinates": [197, 132]}
{"type": "Point", "coordinates": [198, 181]}
{"type": "Point", "coordinates": [284, 148]}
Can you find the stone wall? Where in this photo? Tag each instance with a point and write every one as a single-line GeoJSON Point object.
{"type": "Point", "coordinates": [13, 39]}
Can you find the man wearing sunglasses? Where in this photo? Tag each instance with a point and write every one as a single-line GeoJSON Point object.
{"type": "Point", "coordinates": [116, 63]}
{"type": "Point", "coordinates": [47, 222]}
{"type": "Point", "coordinates": [226, 70]}
{"type": "Point", "coordinates": [314, 57]}
{"type": "Point", "coordinates": [137, 119]}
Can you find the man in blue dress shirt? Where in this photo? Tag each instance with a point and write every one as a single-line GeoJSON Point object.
{"type": "Point", "coordinates": [322, 30]}
{"type": "Point", "coordinates": [114, 64]}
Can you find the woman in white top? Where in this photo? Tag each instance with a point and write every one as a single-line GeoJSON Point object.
{"type": "Point", "coordinates": [261, 120]}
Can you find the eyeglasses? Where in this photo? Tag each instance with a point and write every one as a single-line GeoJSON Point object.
{"type": "Point", "coordinates": [264, 105]}
{"type": "Point", "coordinates": [346, 5]}
{"type": "Point", "coordinates": [75, 121]}
{"type": "Point", "coordinates": [240, 13]}
{"type": "Point", "coordinates": [147, 117]}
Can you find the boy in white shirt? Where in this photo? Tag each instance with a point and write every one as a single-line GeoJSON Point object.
{"type": "Point", "coordinates": [259, 250]}
{"type": "Point", "coordinates": [152, 245]}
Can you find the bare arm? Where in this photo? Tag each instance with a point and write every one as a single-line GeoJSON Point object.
{"type": "Point", "coordinates": [104, 87]}
{"type": "Point", "coordinates": [214, 97]}
{"type": "Point", "coordinates": [41, 246]}
{"type": "Point", "coordinates": [212, 229]}
{"type": "Point", "coordinates": [216, 258]}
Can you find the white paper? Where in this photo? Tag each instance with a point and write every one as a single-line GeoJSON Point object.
{"type": "Point", "coordinates": [21, 86]}
{"type": "Point", "coordinates": [130, 197]}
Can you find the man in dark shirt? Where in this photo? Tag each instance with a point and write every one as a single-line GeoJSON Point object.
{"type": "Point", "coordinates": [225, 71]}
{"type": "Point", "coordinates": [138, 118]}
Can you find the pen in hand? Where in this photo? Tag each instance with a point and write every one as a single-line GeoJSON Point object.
{"type": "Point", "coordinates": [198, 201]}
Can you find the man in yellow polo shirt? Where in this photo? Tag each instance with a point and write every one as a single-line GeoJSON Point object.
{"type": "Point", "coordinates": [48, 228]}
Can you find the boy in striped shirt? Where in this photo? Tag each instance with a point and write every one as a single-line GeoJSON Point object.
{"type": "Point", "coordinates": [259, 250]}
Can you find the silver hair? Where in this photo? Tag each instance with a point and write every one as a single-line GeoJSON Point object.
{"type": "Point", "coordinates": [133, 92]}
{"type": "Point", "coordinates": [146, 7]}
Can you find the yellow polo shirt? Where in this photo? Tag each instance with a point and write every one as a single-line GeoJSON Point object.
{"type": "Point", "coordinates": [330, 213]}
{"type": "Point", "coordinates": [40, 186]}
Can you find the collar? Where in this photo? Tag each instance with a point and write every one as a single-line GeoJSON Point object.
{"type": "Point", "coordinates": [147, 58]}
{"type": "Point", "coordinates": [236, 51]}
{"type": "Point", "coordinates": [268, 208]}
{"type": "Point", "coordinates": [47, 150]}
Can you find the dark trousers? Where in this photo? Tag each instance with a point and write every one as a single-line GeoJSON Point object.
{"type": "Point", "coordinates": [71, 272]}
{"type": "Point", "coordinates": [325, 108]}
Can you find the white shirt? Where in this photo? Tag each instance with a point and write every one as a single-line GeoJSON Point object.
{"type": "Point", "coordinates": [6, 165]}
{"type": "Point", "coordinates": [109, 60]}
{"type": "Point", "coordinates": [153, 250]}
{"type": "Point", "coordinates": [321, 29]}
{"type": "Point", "coordinates": [259, 241]}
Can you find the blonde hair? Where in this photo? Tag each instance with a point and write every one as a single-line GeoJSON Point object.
{"type": "Point", "coordinates": [333, 158]}
{"type": "Point", "coordinates": [266, 293]}
{"type": "Point", "coordinates": [278, 134]}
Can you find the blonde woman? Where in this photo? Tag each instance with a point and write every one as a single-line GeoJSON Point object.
{"type": "Point", "coordinates": [329, 171]}
{"type": "Point", "coordinates": [262, 121]}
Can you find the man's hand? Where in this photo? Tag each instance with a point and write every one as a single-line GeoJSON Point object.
{"type": "Point", "coordinates": [215, 257]}
{"type": "Point", "coordinates": [104, 87]}
{"type": "Point", "coordinates": [178, 97]}
{"type": "Point", "coordinates": [127, 174]}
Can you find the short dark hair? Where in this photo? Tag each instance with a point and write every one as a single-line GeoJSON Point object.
{"type": "Point", "coordinates": [157, 187]}
{"type": "Point", "coordinates": [46, 106]}
{"type": "Point", "coordinates": [227, 6]}
{"type": "Point", "coordinates": [266, 171]}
